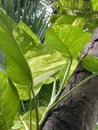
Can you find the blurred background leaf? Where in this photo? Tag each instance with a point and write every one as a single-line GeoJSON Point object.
{"type": "Point", "coordinates": [34, 13]}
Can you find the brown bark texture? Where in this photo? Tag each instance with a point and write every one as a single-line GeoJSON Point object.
{"type": "Point", "coordinates": [79, 111]}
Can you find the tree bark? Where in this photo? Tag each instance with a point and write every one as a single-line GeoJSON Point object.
{"type": "Point", "coordinates": [79, 111]}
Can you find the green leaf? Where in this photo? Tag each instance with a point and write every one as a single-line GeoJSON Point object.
{"type": "Point", "coordinates": [67, 38]}
{"type": "Point", "coordinates": [90, 63]}
{"type": "Point", "coordinates": [29, 32]}
{"type": "Point", "coordinates": [65, 19]}
{"type": "Point", "coordinates": [72, 20]}
{"type": "Point", "coordinates": [68, 4]}
{"type": "Point", "coordinates": [44, 63]}
{"type": "Point", "coordinates": [15, 61]}
{"type": "Point", "coordinates": [80, 22]}
{"type": "Point", "coordinates": [95, 5]}
{"type": "Point", "coordinates": [24, 124]}
{"type": "Point", "coordinates": [74, 5]}
{"type": "Point", "coordinates": [25, 117]}
{"type": "Point", "coordinates": [9, 102]}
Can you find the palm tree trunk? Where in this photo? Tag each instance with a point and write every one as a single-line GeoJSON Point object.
{"type": "Point", "coordinates": [79, 111]}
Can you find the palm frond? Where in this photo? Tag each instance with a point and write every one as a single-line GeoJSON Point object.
{"type": "Point", "coordinates": [34, 13]}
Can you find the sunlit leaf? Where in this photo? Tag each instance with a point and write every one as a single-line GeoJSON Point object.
{"type": "Point", "coordinates": [68, 4]}
{"type": "Point", "coordinates": [65, 19]}
{"type": "Point", "coordinates": [29, 32]}
{"type": "Point", "coordinates": [9, 102]}
{"type": "Point", "coordinates": [71, 20]}
{"type": "Point", "coordinates": [75, 5]}
{"type": "Point", "coordinates": [67, 38]}
{"type": "Point", "coordinates": [15, 61]}
{"type": "Point", "coordinates": [95, 5]}
{"type": "Point", "coordinates": [44, 62]}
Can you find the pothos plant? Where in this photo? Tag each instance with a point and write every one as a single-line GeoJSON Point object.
{"type": "Point", "coordinates": [26, 64]}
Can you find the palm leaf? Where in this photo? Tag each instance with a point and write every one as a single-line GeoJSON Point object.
{"type": "Point", "coordinates": [35, 14]}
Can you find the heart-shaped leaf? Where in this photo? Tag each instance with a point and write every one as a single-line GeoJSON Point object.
{"type": "Point", "coordinates": [67, 39]}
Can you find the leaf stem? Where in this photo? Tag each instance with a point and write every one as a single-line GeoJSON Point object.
{"type": "Point", "coordinates": [73, 89]}
{"type": "Point", "coordinates": [55, 97]}
{"type": "Point", "coordinates": [64, 78]}
{"type": "Point", "coordinates": [50, 107]}
{"type": "Point", "coordinates": [24, 124]}
{"type": "Point", "coordinates": [53, 92]}
{"type": "Point", "coordinates": [36, 108]}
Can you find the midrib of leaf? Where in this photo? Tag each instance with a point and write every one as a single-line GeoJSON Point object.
{"type": "Point", "coordinates": [65, 46]}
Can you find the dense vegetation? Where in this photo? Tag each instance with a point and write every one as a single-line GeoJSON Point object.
{"type": "Point", "coordinates": [35, 66]}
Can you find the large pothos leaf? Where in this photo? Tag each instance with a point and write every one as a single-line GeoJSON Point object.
{"type": "Point", "coordinates": [90, 63]}
{"type": "Point", "coordinates": [67, 39]}
{"type": "Point", "coordinates": [44, 62]}
{"type": "Point", "coordinates": [9, 102]}
{"type": "Point", "coordinates": [16, 65]}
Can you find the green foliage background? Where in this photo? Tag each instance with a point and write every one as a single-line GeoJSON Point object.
{"type": "Point", "coordinates": [36, 59]}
